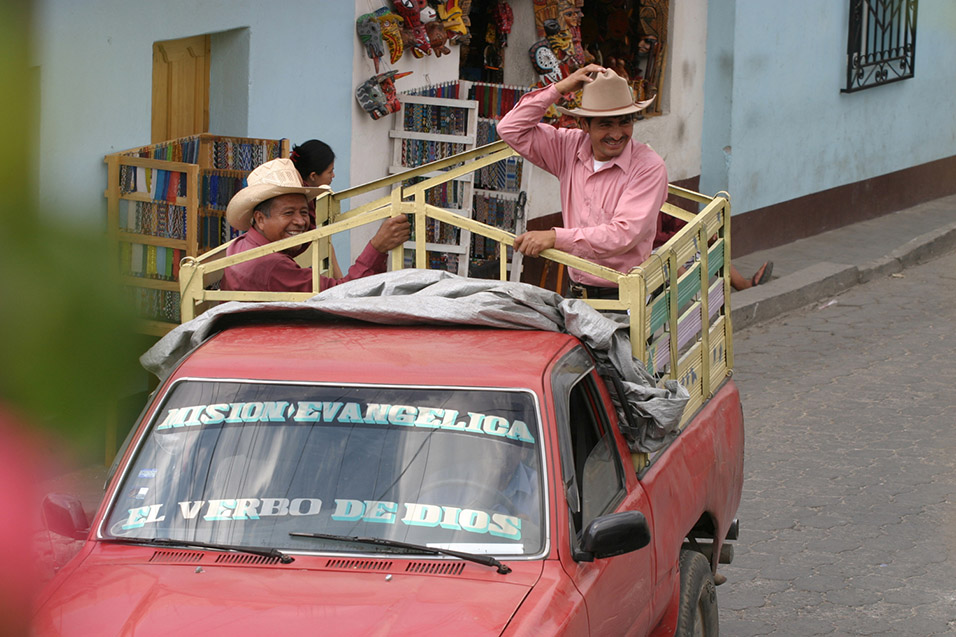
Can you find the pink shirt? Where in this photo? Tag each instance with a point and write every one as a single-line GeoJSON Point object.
{"type": "Point", "coordinates": [610, 216]}
{"type": "Point", "coordinates": [280, 273]}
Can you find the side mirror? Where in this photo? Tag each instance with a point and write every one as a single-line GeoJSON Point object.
{"type": "Point", "coordinates": [65, 516]}
{"type": "Point", "coordinates": [615, 534]}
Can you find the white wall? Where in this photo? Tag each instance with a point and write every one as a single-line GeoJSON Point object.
{"type": "Point", "coordinates": [371, 147]}
{"type": "Point", "coordinates": [675, 135]}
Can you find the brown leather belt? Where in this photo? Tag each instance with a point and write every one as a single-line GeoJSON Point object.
{"type": "Point", "coordinates": [581, 291]}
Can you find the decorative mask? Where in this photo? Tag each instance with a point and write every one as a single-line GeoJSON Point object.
{"type": "Point", "coordinates": [411, 10]}
{"type": "Point", "coordinates": [545, 63]}
{"type": "Point", "coordinates": [377, 94]}
{"type": "Point", "coordinates": [370, 35]}
{"type": "Point", "coordinates": [451, 16]}
{"type": "Point", "coordinates": [437, 37]}
{"type": "Point", "coordinates": [390, 24]}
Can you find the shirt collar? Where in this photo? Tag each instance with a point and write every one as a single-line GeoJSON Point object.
{"type": "Point", "coordinates": [586, 155]}
{"type": "Point", "coordinates": [256, 239]}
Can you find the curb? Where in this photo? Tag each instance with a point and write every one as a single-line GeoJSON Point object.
{"type": "Point", "coordinates": [927, 247]}
{"type": "Point", "coordinates": [821, 280]}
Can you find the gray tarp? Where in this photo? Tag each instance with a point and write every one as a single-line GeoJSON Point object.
{"type": "Point", "coordinates": [433, 297]}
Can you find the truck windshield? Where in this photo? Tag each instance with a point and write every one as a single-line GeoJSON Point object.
{"type": "Point", "coordinates": [246, 463]}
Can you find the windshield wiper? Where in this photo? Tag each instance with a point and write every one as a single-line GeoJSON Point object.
{"type": "Point", "coordinates": [251, 550]}
{"type": "Point", "coordinates": [487, 560]}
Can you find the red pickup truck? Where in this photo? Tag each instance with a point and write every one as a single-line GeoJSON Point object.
{"type": "Point", "coordinates": [295, 477]}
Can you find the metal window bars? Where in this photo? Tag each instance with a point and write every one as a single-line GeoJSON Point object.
{"type": "Point", "coordinates": [881, 43]}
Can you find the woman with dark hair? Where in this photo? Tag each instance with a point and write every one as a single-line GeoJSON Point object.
{"type": "Point", "coordinates": [315, 162]}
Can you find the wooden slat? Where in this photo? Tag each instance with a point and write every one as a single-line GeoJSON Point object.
{"type": "Point", "coordinates": [688, 327]}
{"type": "Point", "coordinates": [220, 263]}
{"type": "Point", "coordinates": [432, 137]}
{"type": "Point", "coordinates": [438, 101]}
{"type": "Point", "coordinates": [680, 213]}
{"type": "Point", "coordinates": [158, 164]}
{"type": "Point", "coordinates": [150, 240]}
{"type": "Point", "coordinates": [146, 197]}
{"type": "Point", "coordinates": [222, 295]}
{"type": "Point", "coordinates": [720, 338]}
{"type": "Point", "coordinates": [155, 328]}
{"type": "Point", "coordinates": [152, 284]}
{"type": "Point", "coordinates": [475, 155]}
{"type": "Point", "coordinates": [688, 370]}
{"type": "Point", "coordinates": [688, 194]}
{"type": "Point", "coordinates": [500, 194]}
{"type": "Point", "coordinates": [192, 210]}
{"type": "Point", "coordinates": [436, 247]}
{"type": "Point", "coordinates": [394, 170]}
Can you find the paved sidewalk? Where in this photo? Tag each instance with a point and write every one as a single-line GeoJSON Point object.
{"type": "Point", "coordinates": [816, 268]}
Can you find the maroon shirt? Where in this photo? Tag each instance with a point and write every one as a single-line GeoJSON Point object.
{"type": "Point", "coordinates": [280, 273]}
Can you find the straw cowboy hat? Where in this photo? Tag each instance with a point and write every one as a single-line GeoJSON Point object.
{"type": "Point", "coordinates": [271, 179]}
{"type": "Point", "coordinates": [608, 95]}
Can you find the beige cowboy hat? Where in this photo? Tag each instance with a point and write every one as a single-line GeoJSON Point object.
{"type": "Point", "coordinates": [608, 95]}
{"type": "Point", "coordinates": [271, 179]}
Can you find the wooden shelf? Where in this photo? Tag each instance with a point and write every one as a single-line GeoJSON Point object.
{"type": "Point", "coordinates": [155, 328]}
{"type": "Point", "coordinates": [439, 101]}
{"type": "Point", "coordinates": [147, 198]}
{"type": "Point", "coordinates": [195, 208]}
{"type": "Point", "coordinates": [151, 240]}
{"type": "Point", "coordinates": [229, 172]}
{"type": "Point", "coordinates": [153, 284]}
{"type": "Point", "coordinates": [501, 194]}
{"type": "Point", "coordinates": [451, 248]}
{"type": "Point", "coordinates": [467, 140]}
{"type": "Point", "coordinates": [467, 178]}
{"type": "Point", "coordinates": [157, 164]}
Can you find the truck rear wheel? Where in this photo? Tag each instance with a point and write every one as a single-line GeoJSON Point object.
{"type": "Point", "coordinates": [698, 597]}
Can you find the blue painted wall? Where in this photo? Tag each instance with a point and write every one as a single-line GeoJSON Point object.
{"type": "Point", "coordinates": [777, 127]}
{"type": "Point", "coordinates": [277, 70]}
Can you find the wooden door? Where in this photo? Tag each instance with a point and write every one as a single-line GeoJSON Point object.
{"type": "Point", "coordinates": [180, 88]}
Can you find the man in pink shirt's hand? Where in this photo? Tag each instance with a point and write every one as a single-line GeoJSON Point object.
{"type": "Point", "coordinates": [612, 187]}
{"type": "Point", "coordinates": [274, 206]}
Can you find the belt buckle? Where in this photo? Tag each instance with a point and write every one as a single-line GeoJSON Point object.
{"type": "Point", "coordinates": [579, 290]}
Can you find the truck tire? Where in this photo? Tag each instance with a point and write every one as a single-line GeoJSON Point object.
{"type": "Point", "coordinates": [698, 597]}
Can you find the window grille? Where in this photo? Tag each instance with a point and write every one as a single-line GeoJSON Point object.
{"type": "Point", "coordinates": [881, 45]}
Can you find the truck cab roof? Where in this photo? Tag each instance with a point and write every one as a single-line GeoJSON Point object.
{"type": "Point", "coordinates": [352, 352]}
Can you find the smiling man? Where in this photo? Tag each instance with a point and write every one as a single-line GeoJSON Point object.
{"type": "Point", "coordinates": [274, 206]}
{"type": "Point", "coordinates": [612, 187]}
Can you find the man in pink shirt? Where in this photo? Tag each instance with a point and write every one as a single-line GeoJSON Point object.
{"type": "Point", "coordinates": [612, 187]}
{"type": "Point", "coordinates": [274, 206]}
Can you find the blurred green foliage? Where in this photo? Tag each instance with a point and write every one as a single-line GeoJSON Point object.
{"type": "Point", "coordinates": [67, 349]}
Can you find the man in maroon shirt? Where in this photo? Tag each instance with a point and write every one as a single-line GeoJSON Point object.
{"type": "Point", "coordinates": [274, 206]}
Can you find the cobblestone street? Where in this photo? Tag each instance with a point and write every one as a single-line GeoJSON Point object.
{"type": "Point", "coordinates": [848, 524]}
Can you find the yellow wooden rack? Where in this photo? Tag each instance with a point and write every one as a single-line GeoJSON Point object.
{"type": "Point", "coordinates": [678, 300]}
